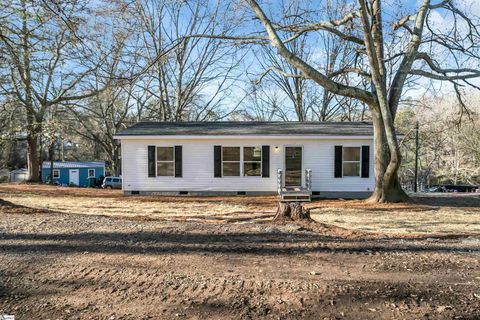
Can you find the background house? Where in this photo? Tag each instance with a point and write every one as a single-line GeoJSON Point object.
{"type": "Point", "coordinates": [19, 175]}
{"type": "Point", "coordinates": [74, 173]}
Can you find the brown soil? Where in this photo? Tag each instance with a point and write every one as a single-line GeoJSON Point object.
{"type": "Point", "coordinates": [57, 265]}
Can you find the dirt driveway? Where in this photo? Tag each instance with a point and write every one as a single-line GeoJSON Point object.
{"type": "Point", "coordinates": [228, 263]}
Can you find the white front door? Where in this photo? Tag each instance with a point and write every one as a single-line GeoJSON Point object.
{"type": "Point", "coordinates": [74, 177]}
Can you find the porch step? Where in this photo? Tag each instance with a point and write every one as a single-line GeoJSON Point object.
{"type": "Point", "coordinates": [297, 195]}
{"type": "Point", "coordinates": [295, 198]}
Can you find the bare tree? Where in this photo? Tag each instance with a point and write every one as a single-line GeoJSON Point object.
{"type": "Point", "coordinates": [417, 44]}
{"type": "Point", "coordinates": [101, 117]}
{"type": "Point", "coordinates": [263, 103]}
{"type": "Point", "coordinates": [50, 60]}
{"type": "Point", "coordinates": [324, 50]}
{"type": "Point", "coordinates": [449, 150]}
{"type": "Point", "coordinates": [282, 74]}
{"type": "Point", "coordinates": [191, 82]}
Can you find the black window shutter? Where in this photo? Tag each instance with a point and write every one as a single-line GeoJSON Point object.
{"type": "Point", "coordinates": [338, 161]}
{"type": "Point", "coordinates": [151, 161]}
{"type": "Point", "coordinates": [365, 161]}
{"type": "Point", "coordinates": [265, 161]}
{"type": "Point", "coordinates": [178, 161]}
{"type": "Point", "coordinates": [217, 161]}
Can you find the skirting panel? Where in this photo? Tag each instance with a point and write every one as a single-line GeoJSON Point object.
{"type": "Point", "coordinates": [315, 194]}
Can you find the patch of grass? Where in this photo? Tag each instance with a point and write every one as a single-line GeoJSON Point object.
{"type": "Point", "coordinates": [441, 214]}
{"type": "Point", "coordinates": [444, 220]}
{"type": "Point", "coordinates": [158, 207]}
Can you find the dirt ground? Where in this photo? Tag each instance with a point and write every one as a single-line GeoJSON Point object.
{"type": "Point", "coordinates": [69, 253]}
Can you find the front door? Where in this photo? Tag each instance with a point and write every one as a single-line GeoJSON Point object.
{"type": "Point", "coordinates": [293, 166]}
{"type": "Point", "coordinates": [74, 177]}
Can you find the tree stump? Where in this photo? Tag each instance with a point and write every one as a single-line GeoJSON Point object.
{"type": "Point", "coordinates": [291, 211]}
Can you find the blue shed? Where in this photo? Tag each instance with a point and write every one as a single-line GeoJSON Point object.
{"type": "Point", "coordinates": [73, 173]}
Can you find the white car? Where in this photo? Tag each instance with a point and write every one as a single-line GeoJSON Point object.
{"type": "Point", "coordinates": [112, 183]}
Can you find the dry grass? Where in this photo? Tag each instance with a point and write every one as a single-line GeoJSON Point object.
{"type": "Point", "coordinates": [112, 203]}
{"type": "Point", "coordinates": [433, 214]}
{"type": "Point", "coordinates": [449, 214]}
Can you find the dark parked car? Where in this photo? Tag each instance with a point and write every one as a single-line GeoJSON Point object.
{"type": "Point", "coordinates": [437, 189]}
{"type": "Point", "coordinates": [112, 183]}
{"type": "Point", "coordinates": [452, 188]}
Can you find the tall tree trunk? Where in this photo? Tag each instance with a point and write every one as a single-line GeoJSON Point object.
{"type": "Point", "coordinates": [33, 129]}
{"type": "Point", "coordinates": [116, 161]}
{"type": "Point", "coordinates": [387, 188]}
{"type": "Point", "coordinates": [51, 152]}
{"type": "Point", "coordinates": [33, 162]}
{"type": "Point", "coordinates": [299, 106]}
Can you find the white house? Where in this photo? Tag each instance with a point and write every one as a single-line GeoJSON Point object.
{"type": "Point", "coordinates": [327, 159]}
{"type": "Point", "coordinates": [19, 175]}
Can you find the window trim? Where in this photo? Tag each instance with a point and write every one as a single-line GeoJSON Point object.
{"type": "Point", "coordinates": [240, 170]}
{"type": "Point", "coordinates": [352, 161]}
{"type": "Point", "coordinates": [252, 161]}
{"type": "Point", "coordinates": [163, 161]}
{"type": "Point", "coordinates": [58, 174]}
{"type": "Point", "coordinates": [91, 176]}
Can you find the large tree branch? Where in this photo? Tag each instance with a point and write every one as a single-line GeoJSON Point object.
{"type": "Point", "coordinates": [403, 23]}
{"type": "Point", "coordinates": [444, 77]}
{"type": "Point", "coordinates": [306, 69]}
{"type": "Point", "coordinates": [237, 39]}
{"type": "Point", "coordinates": [346, 70]}
{"type": "Point", "coordinates": [467, 72]}
{"type": "Point", "coordinates": [375, 55]}
{"type": "Point", "coordinates": [439, 5]}
{"type": "Point", "coordinates": [409, 58]}
{"type": "Point", "coordinates": [330, 26]}
{"type": "Point", "coordinates": [280, 72]}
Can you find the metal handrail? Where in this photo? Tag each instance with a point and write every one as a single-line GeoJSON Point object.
{"type": "Point", "coordinates": [279, 180]}
{"type": "Point", "coordinates": [308, 179]}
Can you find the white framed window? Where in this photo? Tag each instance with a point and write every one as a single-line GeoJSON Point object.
{"type": "Point", "coordinates": [230, 161]}
{"type": "Point", "coordinates": [252, 161]}
{"type": "Point", "coordinates": [91, 173]}
{"type": "Point", "coordinates": [351, 161]}
{"type": "Point", "coordinates": [165, 161]}
{"type": "Point", "coordinates": [56, 173]}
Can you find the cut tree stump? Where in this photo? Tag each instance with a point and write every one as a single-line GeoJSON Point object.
{"type": "Point", "coordinates": [291, 211]}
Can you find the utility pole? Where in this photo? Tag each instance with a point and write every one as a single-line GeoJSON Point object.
{"type": "Point", "coordinates": [62, 150]}
{"type": "Point", "coordinates": [415, 187]}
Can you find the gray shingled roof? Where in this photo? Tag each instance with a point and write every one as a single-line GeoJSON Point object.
{"type": "Point", "coordinates": [229, 128]}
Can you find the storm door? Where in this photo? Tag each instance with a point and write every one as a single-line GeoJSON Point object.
{"type": "Point", "coordinates": [293, 166]}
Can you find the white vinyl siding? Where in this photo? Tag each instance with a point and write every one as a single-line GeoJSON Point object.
{"type": "Point", "coordinates": [198, 164]}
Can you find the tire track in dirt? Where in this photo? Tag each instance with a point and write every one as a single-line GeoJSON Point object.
{"type": "Point", "coordinates": [135, 269]}
{"type": "Point", "coordinates": [127, 285]}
